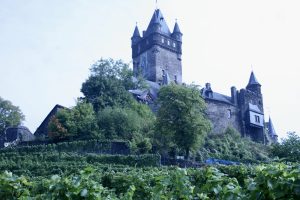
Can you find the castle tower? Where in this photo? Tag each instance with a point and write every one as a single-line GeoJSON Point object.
{"type": "Point", "coordinates": [271, 131]}
{"type": "Point", "coordinates": [157, 53]}
{"type": "Point", "coordinates": [253, 84]}
{"type": "Point", "coordinates": [252, 111]}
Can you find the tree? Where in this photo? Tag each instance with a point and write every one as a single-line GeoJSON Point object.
{"type": "Point", "coordinates": [108, 84]}
{"type": "Point", "coordinates": [126, 123]}
{"type": "Point", "coordinates": [289, 149]}
{"type": "Point", "coordinates": [181, 119]}
{"type": "Point", "coordinates": [10, 115]}
{"type": "Point", "coordinates": [78, 122]}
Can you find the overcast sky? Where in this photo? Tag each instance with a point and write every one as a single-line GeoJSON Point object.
{"type": "Point", "coordinates": [47, 48]}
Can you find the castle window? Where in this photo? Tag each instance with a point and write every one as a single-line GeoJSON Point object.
{"type": "Point", "coordinates": [174, 45]}
{"type": "Point", "coordinates": [257, 120]}
{"type": "Point", "coordinates": [168, 42]}
{"type": "Point", "coordinates": [228, 114]}
{"type": "Point", "coordinates": [162, 40]}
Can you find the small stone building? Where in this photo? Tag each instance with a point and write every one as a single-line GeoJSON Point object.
{"type": "Point", "coordinates": [14, 135]}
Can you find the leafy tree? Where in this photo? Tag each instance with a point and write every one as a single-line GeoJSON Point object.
{"type": "Point", "coordinates": [108, 84]}
{"type": "Point", "coordinates": [56, 129]}
{"type": "Point", "coordinates": [126, 123]}
{"type": "Point", "coordinates": [289, 149]}
{"type": "Point", "coordinates": [78, 122]}
{"type": "Point", "coordinates": [10, 115]}
{"type": "Point", "coordinates": [180, 118]}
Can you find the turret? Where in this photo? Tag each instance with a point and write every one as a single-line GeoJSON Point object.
{"type": "Point", "coordinates": [253, 84]}
{"type": "Point", "coordinates": [272, 132]}
{"type": "Point", "coordinates": [177, 35]}
{"type": "Point", "coordinates": [136, 37]}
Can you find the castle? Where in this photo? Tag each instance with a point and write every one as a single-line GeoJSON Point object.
{"type": "Point", "coordinates": [157, 57]}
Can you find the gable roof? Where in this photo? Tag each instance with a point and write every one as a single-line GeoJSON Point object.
{"type": "Point", "coordinates": [45, 122]}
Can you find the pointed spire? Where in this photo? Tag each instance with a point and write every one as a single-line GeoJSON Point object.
{"type": "Point", "coordinates": [136, 32]}
{"type": "Point", "coordinates": [253, 80]}
{"type": "Point", "coordinates": [176, 28]}
{"type": "Point", "coordinates": [271, 128]}
{"type": "Point", "coordinates": [158, 24]}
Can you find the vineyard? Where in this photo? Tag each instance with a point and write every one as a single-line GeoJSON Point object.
{"type": "Point", "coordinates": [74, 171]}
{"type": "Point", "coordinates": [272, 181]}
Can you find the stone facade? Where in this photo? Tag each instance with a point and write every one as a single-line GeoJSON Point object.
{"type": "Point", "coordinates": [243, 110]}
{"type": "Point", "coordinates": [157, 57]}
{"type": "Point", "coordinates": [157, 53]}
{"type": "Point", "coordinates": [223, 116]}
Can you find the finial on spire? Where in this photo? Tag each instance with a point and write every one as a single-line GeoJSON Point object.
{"type": "Point", "coordinates": [251, 67]}
{"type": "Point", "coordinates": [156, 4]}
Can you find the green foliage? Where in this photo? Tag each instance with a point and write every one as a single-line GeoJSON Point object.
{"type": "Point", "coordinates": [10, 115]}
{"type": "Point", "coordinates": [79, 122]}
{"type": "Point", "coordinates": [74, 187]}
{"type": "Point", "coordinates": [13, 187]}
{"type": "Point", "coordinates": [289, 149]}
{"type": "Point", "coordinates": [231, 146]}
{"type": "Point", "coordinates": [272, 181]}
{"type": "Point", "coordinates": [56, 129]}
{"type": "Point", "coordinates": [49, 163]}
{"type": "Point", "coordinates": [108, 84]}
{"type": "Point", "coordinates": [180, 119]}
{"type": "Point", "coordinates": [275, 181]}
{"type": "Point", "coordinates": [125, 123]}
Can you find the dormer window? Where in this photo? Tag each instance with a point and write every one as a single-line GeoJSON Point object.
{"type": "Point", "coordinates": [162, 40]}
{"type": "Point", "coordinates": [174, 44]}
{"type": "Point", "coordinates": [168, 42]}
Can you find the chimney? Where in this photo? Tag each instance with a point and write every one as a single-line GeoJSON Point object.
{"type": "Point", "coordinates": [233, 95]}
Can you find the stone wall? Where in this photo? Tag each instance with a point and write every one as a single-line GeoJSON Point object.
{"type": "Point", "coordinates": [170, 62]}
{"type": "Point", "coordinates": [222, 115]}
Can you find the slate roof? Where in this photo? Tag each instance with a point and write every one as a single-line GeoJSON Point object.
{"type": "Point", "coordinates": [157, 18]}
{"type": "Point", "coordinates": [142, 94]}
{"type": "Point", "coordinates": [254, 108]}
{"type": "Point", "coordinates": [253, 80]}
{"type": "Point", "coordinates": [176, 28]}
{"type": "Point", "coordinates": [136, 32]}
{"type": "Point", "coordinates": [215, 96]}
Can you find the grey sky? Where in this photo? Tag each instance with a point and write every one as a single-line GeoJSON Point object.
{"type": "Point", "coordinates": [47, 47]}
